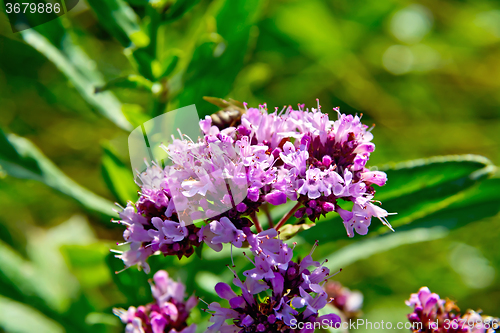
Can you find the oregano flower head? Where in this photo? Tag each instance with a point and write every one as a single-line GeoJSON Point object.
{"type": "Point", "coordinates": [216, 183]}
{"type": "Point", "coordinates": [276, 294]}
{"type": "Point", "coordinates": [431, 314]}
{"type": "Point", "coordinates": [168, 313]}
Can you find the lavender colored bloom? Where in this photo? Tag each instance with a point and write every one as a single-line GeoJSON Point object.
{"type": "Point", "coordinates": [312, 304]}
{"type": "Point", "coordinates": [295, 292]}
{"type": "Point", "coordinates": [168, 313]}
{"type": "Point", "coordinates": [226, 232]}
{"type": "Point", "coordinates": [276, 198]}
{"type": "Point", "coordinates": [313, 185]}
{"type": "Point", "coordinates": [319, 159]}
{"type": "Point", "coordinates": [296, 159]}
{"type": "Point", "coordinates": [360, 218]}
{"type": "Point", "coordinates": [224, 176]}
{"type": "Point", "coordinates": [431, 314]}
{"type": "Point", "coordinates": [425, 299]}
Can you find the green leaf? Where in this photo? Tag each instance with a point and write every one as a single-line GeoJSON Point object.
{"type": "Point", "coordinates": [290, 230]}
{"type": "Point", "coordinates": [16, 165]}
{"type": "Point", "coordinates": [129, 82]}
{"type": "Point", "coordinates": [142, 62]}
{"type": "Point", "coordinates": [217, 61]}
{"type": "Point", "coordinates": [87, 263]}
{"type": "Point", "coordinates": [474, 204]}
{"type": "Point", "coordinates": [18, 274]}
{"type": "Point", "coordinates": [131, 282]}
{"type": "Point", "coordinates": [409, 177]}
{"type": "Point", "coordinates": [118, 177]}
{"type": "Point", "coordinates": [423, 187]}
{"type": "Point", "coordinates": [16, 317]}
{"type": "Point", "coordinates": [179, 8]}
{"type": "Point", "coordinates": [44, 280]}
{"type": "Point", "coordinates": [369, 246]}
{"type": "Point", "coordinates": [415, 190]}
{"type": "Point", "coordinates": [198, 250]}
{"type": "Point", "coordinates": [21, 159]}
{"type": "Point", "coordinates": [121, 21]}
{"type": "Point", "coordinates": [135, 114]}
{"type": "Point", "coordinates": [168, 65]}
{"type": "Point", "coordinates": [43, 249]}
{"type": "Point", "coordinates": [84, 78]}
{"type": "Point", "coordinates": [138, 2]}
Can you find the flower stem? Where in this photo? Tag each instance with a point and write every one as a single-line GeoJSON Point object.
{"type": "Point", "coordinates": [287, 216]}
{"type": "Point", "coordinates": [265, 208]}
{"type": "Point", "coordinates": [256, 222]}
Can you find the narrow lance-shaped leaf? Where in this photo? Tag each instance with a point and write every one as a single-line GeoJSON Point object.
{"type": "Point", "coordinates": [216, 62]}
{"type": "Point", "coordinates": [179, 8]}
{"type": "Point", "coordinates": [118, 177]}
{"type": "Point", "coordinates": [432, 185]}
{"type": "Point", "coordinates": [21, 318]}
{"type": "Point", "coordinates": [44, 281]}
{"type": "Point", "coordinates": [129, 82]}
{"type": "Point", "coordinates": [415, 190]}
{"type": "Point", "coordinates": [367, 247]}
{"type": "Point", "coordinates": [19, 276]}
{"type": "Point", "coordinates": [83, 79]}
{"type": "Point", "coordinates": [24, 160]}
{"type": "Point", "coordinates": [476, 203]}
{"type": "Point", "coordinates": [120, 20]}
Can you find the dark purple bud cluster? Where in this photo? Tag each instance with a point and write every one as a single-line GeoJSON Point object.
{"type": "Point", "coordinates": [168, 313]}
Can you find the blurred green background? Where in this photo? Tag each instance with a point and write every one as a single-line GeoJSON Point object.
{"type": "Point", "coordinates": [427, 73]}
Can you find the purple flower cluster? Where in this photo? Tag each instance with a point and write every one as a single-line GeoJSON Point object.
{"type": "Point", "coordinates": [226, 175]}
{"type": "Point", "coordinates": [167, 315]}
{"type": "Point", "coordinates": [151, 229]}
{"type": "Point", "coordinates": [318, 161]}
{"type": "Point", "coordinates": [291, 292]}
{"type": "Point", "coordinates": [433, 314]}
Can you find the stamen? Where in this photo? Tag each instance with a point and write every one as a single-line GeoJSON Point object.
{"type": "Point", "coordinates": [188, 138]}
{"type": "Point", "coordinates": [332, 275]}
{"type": "Point", "coordinates": [201, 299]}
{"type": "Point", "coordinates": [122, 270]}
{"type": "Point", "coordinates": [234, 273]}
{"type": "Point", "coordinates": [120, 206]}
{"type": "Point", "coordinates": [337, 109]}
{"type": "Point", "coordinates": [248, 258]}
{"type": "Point", "coordinates": [232, 261]}
{"type": "Point", "coordinates": [314, 247]}
{"type": "Point", "coordinates": [386, 223]}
